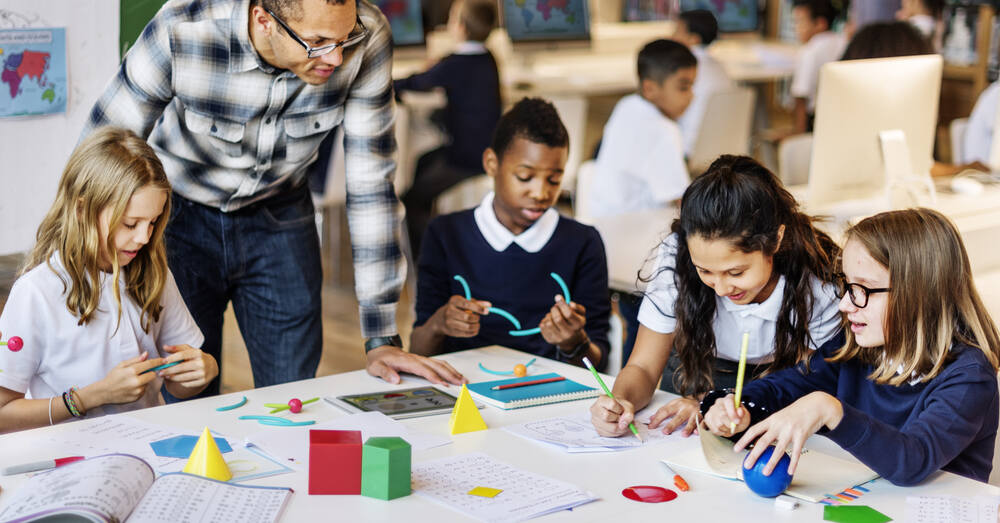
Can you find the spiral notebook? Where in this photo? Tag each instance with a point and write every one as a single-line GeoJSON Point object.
{"type": "Point", "coordinates": [531, 395]}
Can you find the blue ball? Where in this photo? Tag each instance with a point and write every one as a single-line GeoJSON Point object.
{"type": "Point", "coordinates": [768, 486]}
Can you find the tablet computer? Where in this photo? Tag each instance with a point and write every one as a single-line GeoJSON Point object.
{"type": "Point", "coordinates": [398, 404]}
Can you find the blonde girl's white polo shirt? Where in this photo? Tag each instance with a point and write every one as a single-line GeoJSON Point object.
{"type": "Point", "coordinates": [59, 354]}
{"type": "Point", "coordinates": [732, 320]}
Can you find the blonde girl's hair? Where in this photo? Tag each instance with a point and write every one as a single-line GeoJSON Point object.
{"type": "Point", "coordinates": [933, 302]}
{"type": "Point", "coordinates": [103, 172]}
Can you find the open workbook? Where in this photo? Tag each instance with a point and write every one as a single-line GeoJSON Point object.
{"type": "Point", "coordinates": [817, 475]}
{"type": "Point", "coordinates": [122, 487]}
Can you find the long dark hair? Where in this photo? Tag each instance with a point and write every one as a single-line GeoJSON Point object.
{"type": "Point", "coordinates": [739, 200]}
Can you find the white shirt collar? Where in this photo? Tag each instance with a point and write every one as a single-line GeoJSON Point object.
{"type": "Point", "coordinates": [500, 237]}
{"type": "Point", "coordinates": [767, 309]}
{"type": "Point", "coordinates": [470, 47]}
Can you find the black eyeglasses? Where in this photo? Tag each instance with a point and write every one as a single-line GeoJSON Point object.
{"type": "Point", "coordinates": [313, 52]}
{"type": "Point", "coordinates": [859, 293]}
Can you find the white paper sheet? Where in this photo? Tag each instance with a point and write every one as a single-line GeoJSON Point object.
{"type": "Point", "coordinates": [524, 495]}
{"type": "Point", "coordinates": [576, 433]}
{"type": "Point", "coordinates": [291, 444]}
{"type": "Point", "coordinates": [951, 509]}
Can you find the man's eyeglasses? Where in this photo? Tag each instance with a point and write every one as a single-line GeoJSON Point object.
{"type": "Point", "coordinates": [859, 293]}
{"type": "Point", "coordinates": [313, 52]}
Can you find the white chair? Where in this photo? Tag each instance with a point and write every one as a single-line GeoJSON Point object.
{"type": "Point", "coordinates": [573, 112]}
{"type": "Point", "coordinates": [725, 127]}
{"type": "Point", "coordinates": [956, 131]}
{"type": "Point", "coordinates": [464, 195]}
{"type": "Point", "coordinates": [581, 195]}
{"type": "Point", "coordinates": [794, 155]}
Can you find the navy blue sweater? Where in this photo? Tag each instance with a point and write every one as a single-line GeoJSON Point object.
{"type": "Point", "coordinates": [903, 433]}
{"type": "Point", "coordinates": [514, 280]}
{"type": "Point", "coordinates": [472, 85]}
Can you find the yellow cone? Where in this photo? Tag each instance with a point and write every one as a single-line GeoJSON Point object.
{"type": "Point", "coordinates": [206, 460]}
{"type": "Point", "coordinates": [465, 416]}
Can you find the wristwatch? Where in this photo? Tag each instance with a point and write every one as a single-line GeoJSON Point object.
{"type": "Point", "coordinates": [578, 350]}
{"type": "Point", "coordinates": [379, 341]}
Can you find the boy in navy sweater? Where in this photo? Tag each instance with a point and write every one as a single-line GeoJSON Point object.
{"type": "Point", "coordinates": [912, 387]}
{"type": "Point", "coordinates": [507, 249]}
{"type": "Point", "coordinates": [472, 85]}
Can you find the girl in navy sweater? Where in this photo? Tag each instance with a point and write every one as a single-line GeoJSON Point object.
{"type": "Point", "coordinates": [911, 387]}
{"type": "Point", "coordinates": [506, 251]}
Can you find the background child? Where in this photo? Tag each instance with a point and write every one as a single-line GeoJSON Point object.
{"type": "Point", "coordinates": [697, 29]}
{"type": "Point", "coordinates": [506, 248]}
{"type": "Point", "coordinates": [982, 121]}
{"type": "Point", "coordinates": [741, 258]}
{"type": "Point", "coordinates": [470, 80]}
{"type": "Point", "coordinates": [886, 40]}
{"type": "Point", "coordinates": [912, 387]}
{"type": "Point", "coordinates": [95, 304]}
{"type": "Point", "coordinates": [641, 161]}
{"type": "Point", "coordinates": [924, 15]}
{"type": "Point", "coordinates": [813, 20]}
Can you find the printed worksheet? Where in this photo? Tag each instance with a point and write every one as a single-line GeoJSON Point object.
{"type": "Point", "coordinates": [523, 494]}
{"type": "Point", "coordinates": [576, 433]}
{"type": "Point", "coordinates": [951, 509]}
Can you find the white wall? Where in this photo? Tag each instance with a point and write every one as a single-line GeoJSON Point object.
{"type": "Point", "coordinates": [33, 150]}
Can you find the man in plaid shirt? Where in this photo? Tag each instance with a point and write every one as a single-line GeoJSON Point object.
{"type": "Point", "coordinates": [235, 96]}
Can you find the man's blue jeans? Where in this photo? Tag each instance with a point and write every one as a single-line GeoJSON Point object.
{"type": "Point", "coordinates": [265, 259]}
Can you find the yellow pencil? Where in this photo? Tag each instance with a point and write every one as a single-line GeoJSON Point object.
{"type": "Point", "coordinates": [739, 376]}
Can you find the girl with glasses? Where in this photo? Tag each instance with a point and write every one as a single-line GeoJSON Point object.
{"type": "Point", "coordinates": [911, 386]}
{"type": "Point", "coordinates": [741, 258]}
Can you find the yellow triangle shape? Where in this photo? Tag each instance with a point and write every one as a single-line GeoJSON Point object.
{"type": "Point", "coordinates": [206, 460]}
{"type": "Point", "coordinates": [465, 416]}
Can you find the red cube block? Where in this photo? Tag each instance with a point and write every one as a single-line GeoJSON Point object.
{"type": "Point", "coordinates": [334, 462]}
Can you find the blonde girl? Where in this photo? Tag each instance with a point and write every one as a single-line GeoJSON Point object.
{"type": "Point", "coordinates": [911, 387]}
{"type": "Point", "coordinates": [95, 303]}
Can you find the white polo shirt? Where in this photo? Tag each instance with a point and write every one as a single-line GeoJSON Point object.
{"type": "Point", "coordinates": [820, 49]}
{"type": "Point", "coordinates": [641, 161]}
{"type": "Point", "coordinates": [732, 320]}
{"type": "Point", "coordinates": [59, 354]}
{"type": "Point", "coordinates": [711, 79]}
{"type": "Point", "coordinates": [979, 133]}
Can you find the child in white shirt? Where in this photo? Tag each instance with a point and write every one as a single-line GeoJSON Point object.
{"type": "Point", "coordinates": [697, 29]}
{"type": "Point", "coordinates": [641, 161]}
{"type": "Point", "coordinates": [96, 305]}
{"type": "Point", "coordinates": [813, 19]}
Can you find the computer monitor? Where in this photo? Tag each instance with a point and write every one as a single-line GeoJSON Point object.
{"type": "Point", "coordinates": [406, 19]}
{"type": "Point", "coordinates": [734, 16]}
{"type": "Point", "coordinates": [857, 100]}
{"type": "Point", "coordinates": [550, 23]}
{"type": "Point", "coordinates": [648, 10]}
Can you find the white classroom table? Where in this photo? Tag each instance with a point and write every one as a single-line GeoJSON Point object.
{"type": "Point", "coordinates": [604, 474]}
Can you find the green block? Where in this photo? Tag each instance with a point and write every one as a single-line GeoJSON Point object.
{"type": "Point", "coordinates": [853, 514]}
{"type": "Point", "coordinates": [385, 468]}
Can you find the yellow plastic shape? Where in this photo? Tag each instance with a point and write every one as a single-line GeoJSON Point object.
{"type": "Point", "coordinates": [485, 492]}
{"type": "Point", "coordinates": [206, 460]}
{"type": "Point", "coordinates": [465, 416]}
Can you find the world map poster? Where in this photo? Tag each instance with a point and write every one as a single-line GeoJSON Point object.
{"type": "Point", "coordinates": [33, 72]}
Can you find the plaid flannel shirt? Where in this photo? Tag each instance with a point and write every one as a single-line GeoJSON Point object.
{"type": "Point", "coordinates": [232, 130]}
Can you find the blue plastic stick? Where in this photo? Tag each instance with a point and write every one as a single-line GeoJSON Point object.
{"type": "Point", "coordinates": [507, 372]}
{"type": "Point", "coordinates": [161, 367]}
{"type": "Point", "coordinates": [465, 285]}
{"type": "Point", "coordinates": [505, 314]}
{"type": "Point", "coordinates": [562, 284]}
{"type": "Point", "coordinates": [289, 424]}
{"type": "Point", "coordinates": [526, 332]}
{"type": "Point", "coordinates": [236, 405]}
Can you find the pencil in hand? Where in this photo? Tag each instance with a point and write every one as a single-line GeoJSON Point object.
{"type": "Point", "coordinates": [739, 377]}
{"type": "Point", "coordinates": [607, 391]}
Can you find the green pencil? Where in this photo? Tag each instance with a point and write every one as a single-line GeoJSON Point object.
{"type": "Point", "coordinates": [608, 392]}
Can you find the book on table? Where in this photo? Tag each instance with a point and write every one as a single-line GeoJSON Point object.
{"type": "Point", "coordinates": [530, 395]}
{"type": "Point", "coordinates": [122, 487]}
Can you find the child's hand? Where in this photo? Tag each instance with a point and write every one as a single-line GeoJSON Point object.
{"type": "Point", "coordinates": [563, 325]}
{"type": "Point", "coordinates": [459, 318]}
{"type": "Point", "coordinates": [681, 411]}
{"type": "Point", "coordinates": [791, 426]}
{"type": "Point", "coordinates": [198, 368]}
{"type": "Point", "coordinates": [611, 416]}
{"type": "Point", "coordinates": [723, 413]}
{"type": "Point", "coordinates": [126, 382]}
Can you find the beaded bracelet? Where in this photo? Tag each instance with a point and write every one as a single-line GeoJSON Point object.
{"type": "Point", "coordinates": [66, 403]}
{"type": "Point", "coordinates": [73, 409]}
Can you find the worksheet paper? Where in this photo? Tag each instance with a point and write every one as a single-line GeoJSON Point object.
{"type": "Point", "coordinates": [524, 495]}
{"type": "Point", "coordinates": [291, 444]}
{"type": "Point", "coordinates": [951, 509]}
{"type": "Point", "coordinates": [576, 433]}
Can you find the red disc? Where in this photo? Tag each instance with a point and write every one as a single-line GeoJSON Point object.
{"type": "Point", "coordinates": [649, 494]}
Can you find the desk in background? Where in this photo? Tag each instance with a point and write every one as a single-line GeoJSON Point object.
{"type": "Point", "coordinates": [605, 474]}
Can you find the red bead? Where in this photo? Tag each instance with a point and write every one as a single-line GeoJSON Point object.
{"type": "Point", "coordinates": [295, 405]}
{"type": "Point", "coordinates": [15, 343]}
